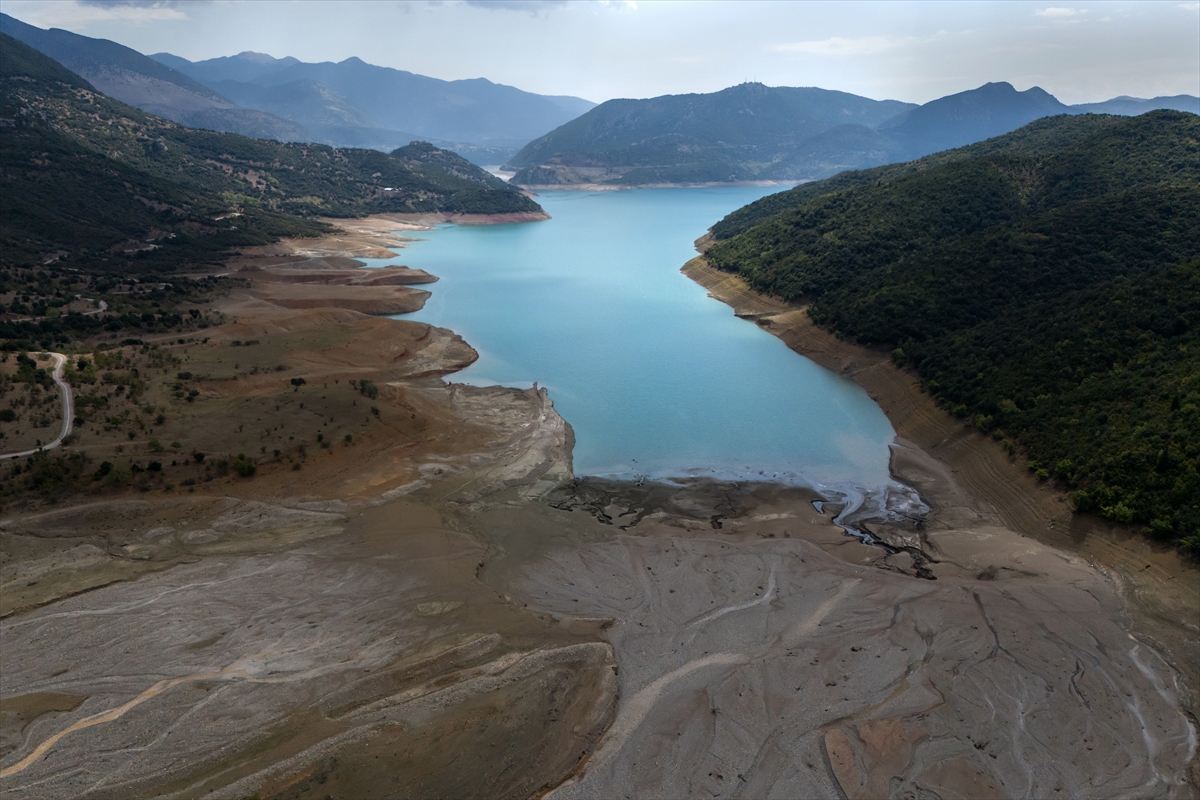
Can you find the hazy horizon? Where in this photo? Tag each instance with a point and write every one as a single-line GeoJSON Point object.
{"type": "Point", "coordinates": [600, 50]}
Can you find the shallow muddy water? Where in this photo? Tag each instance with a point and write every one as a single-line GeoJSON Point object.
{"type": "Point", "coordinates": [657, 378]}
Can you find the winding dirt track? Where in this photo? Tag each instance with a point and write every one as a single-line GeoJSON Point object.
{"type": "Point", "coordinates": [68, 409]}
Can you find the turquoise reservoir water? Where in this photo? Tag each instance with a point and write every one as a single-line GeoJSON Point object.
{"type": "Point", "coordinates": [657, 378]}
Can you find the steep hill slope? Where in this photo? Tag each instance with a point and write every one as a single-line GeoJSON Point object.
{"type": "Point", "coordinates": [1036, 139]}
{"type": "Point", "coordinates": [132, 78]}
{"type": "Point", "coordinates": [84, 174]}
{"type": "Point", "coordinates": [1046, 286]}
{"type": "Point", "coordinates": [61, 197]}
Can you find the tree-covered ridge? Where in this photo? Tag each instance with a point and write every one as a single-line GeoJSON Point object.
{"type": "Point", "coordinates": [62, 197]}
{"type": "Point", "coordinates": [1042, 137]}
{"type": "Point", "coordinates": [99, 201]}
{"type": "Point", "coordinates": [38, 101]}
{"type": "Point", "coordinates": [1047, 289]}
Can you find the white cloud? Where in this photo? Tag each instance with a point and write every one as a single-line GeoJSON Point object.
{"type": "Point", "coordinates": [1060, 13]}
{"type": "Point", "coordinates": [533, 7]}
{"type": "Point", "coordinates": [75, 15]}
{"type": "Point", "coordinates": [130, 3]}
{"type": "Point", "coordinates": [1190, 6]}
{"type": "Point", "coordinates": [537, 7]}
{"type": "Point", "coordinates": [839, 46]}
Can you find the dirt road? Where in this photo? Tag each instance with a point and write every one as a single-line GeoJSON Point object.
{"type": "Point", "coordinates": [68, 409]}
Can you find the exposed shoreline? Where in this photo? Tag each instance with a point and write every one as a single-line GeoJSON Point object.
{"type": "Point", "coordinates": [326, 271]}
{"type": "Point", "coordinates": [608, 187]}
{"type": "Point", "coordinates": [428, 220]}
{"type": "Point", "coordinates": [1156, 583]}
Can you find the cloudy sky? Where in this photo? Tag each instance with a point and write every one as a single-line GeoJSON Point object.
{"type": "Point", "coordinates": [913, 51]}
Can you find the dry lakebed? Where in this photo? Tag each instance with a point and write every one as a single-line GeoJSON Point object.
{"type": "Point", "coordinates": [440, 608]}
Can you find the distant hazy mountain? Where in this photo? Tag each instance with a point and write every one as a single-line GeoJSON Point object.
{"type": "Point", "coordinates": [360, 96]}
{"type": "Point", "coordinates": [967, 117]}
{"type": "Point", "coordinates": [752, 132]}
{"type": "Point", "coordinates": [1134, 106]}
{"type": "Point", "coordinates": [132, 78]}
{"type": "Point", "coordinates": [741, 133]}
{"type": "Point", "coordinates": [997, 108]}
{"type": "Point", "coordinates": [243, 67]}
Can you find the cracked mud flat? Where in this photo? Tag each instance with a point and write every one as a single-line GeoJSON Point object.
{"type": "Point", "coordinates": [479, 650]}
{"type": "Point", "coordinates": [768, 659]}
{"type": "Point", "coordinates": [490, 628]}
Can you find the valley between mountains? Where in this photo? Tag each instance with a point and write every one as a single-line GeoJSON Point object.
{"type": "Point", "coordinates": [289, 544]}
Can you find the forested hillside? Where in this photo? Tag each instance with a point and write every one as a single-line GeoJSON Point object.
{"type": "Point", "coordinates": [84, 171]}
{"type": "Point", "coordinates": [1045, 285]}
{"type": "Point", "coordinates": [99, 202]}
{"type": "Point", "coordinates": [1042, 137]}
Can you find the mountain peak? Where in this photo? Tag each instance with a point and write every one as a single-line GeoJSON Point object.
{"type": "Point", "coordinates": [257, 58]}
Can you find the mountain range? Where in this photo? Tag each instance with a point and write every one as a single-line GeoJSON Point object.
{"type": "Point", "coordinates": [126, 75]}
{"type": "Point", "coordinates": [352, 100]}
{"type": "Point", "coordinates": [754, 132]}
{"type": "Point", "coordinates": [749, 132]}
{"type": "Point", "coordinates": [96, 181]}
{"type": "Point", "coordinates": [347, 104]}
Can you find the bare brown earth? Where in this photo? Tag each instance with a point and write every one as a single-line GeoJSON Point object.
{"type": "Point", "coordinates": [283, 633]}
{"type": "Point", "coordinates": [414, 598]}
{"type": "Point", "coordinates": [37, 411]}
{"type": "Point", "coordinates": [376, 299]}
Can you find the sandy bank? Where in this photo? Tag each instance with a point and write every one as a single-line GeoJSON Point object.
{"type": "Point", "coordinates": [376, 300]}
{"type": "Point", "coordinates": [292, 274]}
{"type": "Point", "coordinates": [381, 223]}
{"type": "Point", "coordinates": [971, 483]}
{"type": "Point", "coordinates": [376, 236]}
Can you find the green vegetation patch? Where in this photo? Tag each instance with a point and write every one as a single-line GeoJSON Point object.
{"type": "Point", "coordinates": [1046, 289]}
{"type": "Point", "coordinates": [107, 184]}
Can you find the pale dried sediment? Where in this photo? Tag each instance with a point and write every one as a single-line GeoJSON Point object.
{"type": "Point", "coordinates": [769, 668]}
